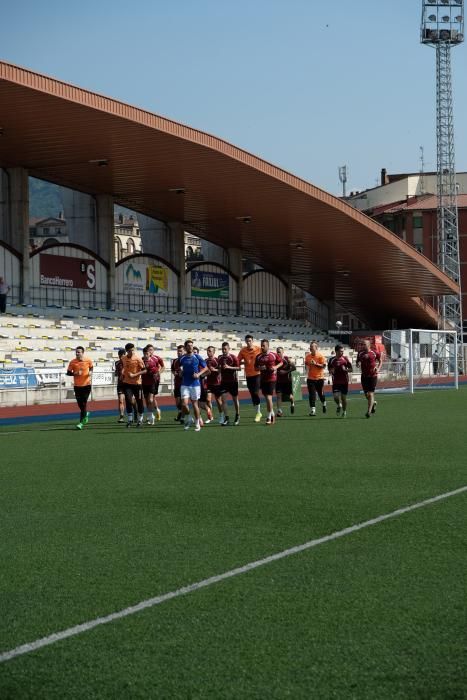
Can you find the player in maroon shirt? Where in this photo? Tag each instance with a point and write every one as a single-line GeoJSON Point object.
{"type": "Point", "coordinates": [213, 382]}
{"type": "Point", "coordinates": [339, 367]}
{"type": "Point", "coordinates": [268, 363]}
{"type": "Point", "coordinates": [284, 391]}
{"type": "Point", "coordinates": [150, 382]}
{"type": "Point", "coordinates": [177, 378]}
{"type": "Point", "coordinates": [370, 362]}
{"type": "Point", "coordinates": [229, 366]}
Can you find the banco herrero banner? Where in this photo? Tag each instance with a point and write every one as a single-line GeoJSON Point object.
{"type": "Point", "coordinates": [210, 285]}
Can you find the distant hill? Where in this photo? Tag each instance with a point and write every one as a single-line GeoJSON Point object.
{"type": "Point", "coordinates": [45, 200]}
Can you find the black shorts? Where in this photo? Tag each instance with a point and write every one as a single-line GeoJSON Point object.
{"type": "Point", "coordinates": [284, 388]}
{"type": "Point", "coordinates": [133, 390]}
{"type": "Point", "coordinates": [120, 389]}
{"type": "Point", "coordinates": [253, 384]}
{"type": "Point", "coordinates": [216, 389]}
{"type": "Point", "coordinates": [82, 392]}
{"type": "Point", "coordinates": [369, 383]}
{"type": "Point", "coordinates": [268, 388]}
{"type": "Point", "coordinates": [177, 392]}
{"type": "Point", "coordinates": [204, 394]}
{"type": "Point", "coordinates": [150, 389]}
{"type": "Point", "coordinates": [341, 388]}
{"type": "Point", "coordinates": [231, 388]}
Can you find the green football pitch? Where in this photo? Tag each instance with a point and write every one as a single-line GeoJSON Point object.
{"type": "Point", "coordinates": [96, 521]}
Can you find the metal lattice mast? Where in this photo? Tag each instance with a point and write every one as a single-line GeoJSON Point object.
{"type": "Point", "coordinates": [442, 28]}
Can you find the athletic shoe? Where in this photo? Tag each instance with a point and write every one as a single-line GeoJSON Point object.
{"type": "Point", "coordinates": [139, 424]}
{"type": "Point", "coordinates": [237, 419]}
{"type": "Point", "coordinates": [344, 414]}
{"type": "Point", "coordinates": [279, 413]}
{"type": "Point", "coordinates": [129, 424]}
{"type": "Point", "coordinates": [221, 419]}
{"type": "Point", "coordinates": [338, 410]}
{"type": "Point", "coordinates": [178, 418]}
{"type": "Point", "coordinates": [197, 428]}
{"type": "Point", "coordinates": [207, 421]}
{"type": "Point", "coordinates": [324, 407]}
{"type": "Point", "coordinates": [158, 413]}
{"type": "Point", "coordinates": [367, 414]}
{"type": "Point", "coordinates": [226, 421]}
{"type": "Point", "coordinates": [121, 419]}
{"type": "Point", "coordinates": [150, 420]}
{"type": "Point", "coordinates": [270, 420]}
{"type": "Point", "coordinates": [312, 412]}
{"type": "Point", "coordinates": [373, 410]}
{"type": "Point", "coordinates": [79, 426]}
{"type": "Point", "coordinates": [292, 408]}
{"type": "Point", "coordinates": [258, 417]}
{"type": "Point", "coordinates": [85, 420]}
{"type": "Point", "coordinates": [188, 424]}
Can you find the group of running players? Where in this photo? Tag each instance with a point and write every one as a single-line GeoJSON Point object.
{"type": "Point", "coordinates": [205, 381]}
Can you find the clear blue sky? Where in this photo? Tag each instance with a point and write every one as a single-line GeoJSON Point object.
{"type": "Point", "coordinates": [306, 84]}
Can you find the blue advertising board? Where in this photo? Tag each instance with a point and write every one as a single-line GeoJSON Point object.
{"type": "Point", "coordinates": [17, 378]}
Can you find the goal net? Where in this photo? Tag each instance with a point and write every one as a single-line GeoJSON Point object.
{"type": "Point", "coordinates": [412, 359]}
{"type": "Point", "coordinates": [419, 359]}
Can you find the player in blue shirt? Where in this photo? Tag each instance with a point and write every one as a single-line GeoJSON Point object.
{"type": "Point", "coordinates": [192, 367]}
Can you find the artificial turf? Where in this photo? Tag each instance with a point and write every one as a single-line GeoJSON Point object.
{"type": "Point", "coordinates": [97, 520]}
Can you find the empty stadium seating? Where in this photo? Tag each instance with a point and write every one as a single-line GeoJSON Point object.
{"type": "Point", "coordinates": [45, 339]}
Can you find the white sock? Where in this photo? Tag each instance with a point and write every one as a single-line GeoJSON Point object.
{"type": "Point", "coordinates": [130, 417]}
{"type": "Point", "coordinates": [258, 408]}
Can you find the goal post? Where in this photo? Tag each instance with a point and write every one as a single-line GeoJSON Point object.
{"type": "Point", "coordinates": [419, 359]}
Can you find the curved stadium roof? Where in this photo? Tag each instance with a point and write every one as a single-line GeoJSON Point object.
{"type": "Point", "coordinates": [58, 132]}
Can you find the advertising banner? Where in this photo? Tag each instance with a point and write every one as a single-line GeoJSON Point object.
{"type": "Point", "coordinates": [102, 377]}
{"type": "Point", "coordinates": [209, 285]}
{"type": "Point", "coordinates": [134, 277]}
{"type": "Point", "coordinates": [17, 378]}
{"type": "Point", "coordinates": [157, 280]}
{"type": "Point", "coordinates": [72, 273]}
{"type": "Point", "coordinates": [150, 279]}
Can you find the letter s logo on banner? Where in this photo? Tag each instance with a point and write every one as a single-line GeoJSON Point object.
{"type": "Point", "coordinates": [91, 273]}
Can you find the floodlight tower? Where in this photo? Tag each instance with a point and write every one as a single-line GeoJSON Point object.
{"type": "Point", "coordinates": [442, 28]}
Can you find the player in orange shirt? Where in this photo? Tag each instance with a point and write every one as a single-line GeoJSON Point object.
{"type": "Point", "coordinates": [315, 362]}
{"type": "Point", "coordinates": [80, 368]}
{"type": "Point", "coordinates": [247, 357]}
{"type": "Point", "coordinates": [132, 369]}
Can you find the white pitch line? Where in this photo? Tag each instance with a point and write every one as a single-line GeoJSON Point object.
{"type": "Point", "coordinates": [151, 602]}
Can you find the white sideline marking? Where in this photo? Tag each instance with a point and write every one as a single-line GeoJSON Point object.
{"type": "Point", "coordinates": [151, 602]}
